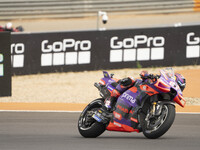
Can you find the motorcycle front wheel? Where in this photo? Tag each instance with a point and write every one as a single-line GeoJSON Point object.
{"type": "Point", "coordinates": [155, 126]}
{"type": "Point", "coordinates": [88, 127]}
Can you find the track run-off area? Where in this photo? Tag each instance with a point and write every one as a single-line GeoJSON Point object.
{"type": "Point", "coordinates": [58, 130]}
{"type": "Point", "coordinates": [31, 120]}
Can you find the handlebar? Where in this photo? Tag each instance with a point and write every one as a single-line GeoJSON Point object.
{"type": "Point", "coordinates": [150, 76]}
{"type": "Point", "coordinates": [97, 85]}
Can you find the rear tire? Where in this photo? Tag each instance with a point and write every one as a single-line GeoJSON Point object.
{"type": "Point", "coordinates": [87, 126]}
{"type": "Point", "coordinates": [167, 119]}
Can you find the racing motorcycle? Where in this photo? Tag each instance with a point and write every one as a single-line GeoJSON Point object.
{"type": "Point", "coordinates": [148, 107]}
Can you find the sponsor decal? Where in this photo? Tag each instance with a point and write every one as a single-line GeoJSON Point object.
{"type": "Point", "coordinates": [1, 65]}
{"type": "Point", "coordinates": [193, 45]}
{"type": "Point", "coordinates": [117, 115]}
{"type": "Point", "coordinates": [129, 49]}
{"type": "Point", "coordinates": [65, 52]}
{"type": "Point", "coordinates": [96, 118]}
{"type": "Point", "coordinates": [134, 120]}
{"type": "Point", "coordinates": [102, 82]}
{"type": "Point", "coordinates": [125, 110]}
{"type": "Point", "coordinates": [131, 111]}
{"type": "Point", "coordinates": [128, 97]}
{"type": "Point", "coordinates": [110, 88]}
{"type": "Point", "coordinates": [17, 55]}
{"type": "Point", "coordinates": [117, 124]}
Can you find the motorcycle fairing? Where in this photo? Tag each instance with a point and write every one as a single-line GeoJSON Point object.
{"type": "Point", "coordinates": [125, 115]}
{"type": "Point", "coordinates": [106, 74]}
{"type": "Point", "coordinates": [116, 126]}
{"type": "Point", "coordinates": [169, 78]}
{"type": "Point", "coordinates": [108, 82]}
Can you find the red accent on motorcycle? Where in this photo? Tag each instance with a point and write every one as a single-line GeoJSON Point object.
{"type": "Point", "coordinates": [180, 100]}
{"type": "Point", "coordinates": [133, 89]}
{"type": "Point", "coordinates": [125, 110]}
{"type": "Point", "coordinates": [162, 86]}
{"type": "Point", "coordinates": [123, 87]}
{"type": "Point", "coordinates": [150, 91]}
{"type": "Point", "coordinates": [131, 111]}
{"type": "Point", "coordinates": [115, 93]}
{"type": "Point", "coordinates": [115, 126]}
{"type": "Point", "coordinates": [117, 115]}
{"type": "Point", "coordinates": [134, 120]}
{"type": "Point", "coordinates": [102, 82]}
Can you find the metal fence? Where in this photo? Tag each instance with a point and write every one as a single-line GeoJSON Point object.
{"type": "Point", "coordinates": [30, 9]}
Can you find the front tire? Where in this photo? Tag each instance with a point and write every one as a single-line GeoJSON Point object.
{"type": "Point", "coordinates": [87, 126]}
{"type": "Point", "coordinates": [156, 128]}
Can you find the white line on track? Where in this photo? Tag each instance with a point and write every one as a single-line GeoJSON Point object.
{"type": "Point", "coordinates": [188, 113]}
{"type": "Point", "coordinates": [40, 111]}
{"type": "Point", "coordinates": [73, 111]}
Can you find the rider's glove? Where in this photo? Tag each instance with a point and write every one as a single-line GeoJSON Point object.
{"type": "Point", "coordinates": [144, 74]}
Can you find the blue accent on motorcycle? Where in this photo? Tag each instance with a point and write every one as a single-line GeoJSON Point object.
{"type": "Point", "coordinates": [96, 118]}
{"type": "Point", "coordinates": [110, 88]}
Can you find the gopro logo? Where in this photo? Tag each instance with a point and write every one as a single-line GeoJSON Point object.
{"type": "Point", "coordinates": [17, 55]}
{"type": "Point", "coordinates": [127, 49]}
{"type": "Point", "coordinates": [193, 48]}
{"type": "Point", "coordinates": [66, 52]}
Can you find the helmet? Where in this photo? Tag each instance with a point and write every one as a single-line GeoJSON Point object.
{"type": "Point", "coordinates": [180, 81]}
{"type": "Point", "coordinates": [9, 25]}
{"type": "Point", "coordinates": [144, 74]}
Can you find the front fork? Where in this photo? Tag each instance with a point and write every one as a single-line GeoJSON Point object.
{"type": "Point", "coordinates": [156, 108]}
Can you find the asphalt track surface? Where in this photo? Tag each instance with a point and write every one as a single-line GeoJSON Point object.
{"type": "Point", "coordinates": [58, 131]}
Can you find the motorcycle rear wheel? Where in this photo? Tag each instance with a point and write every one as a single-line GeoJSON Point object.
{"type": "Point", "coordinates": [87, 126]}
{"type": "Point", "coordinates": [163, 123]}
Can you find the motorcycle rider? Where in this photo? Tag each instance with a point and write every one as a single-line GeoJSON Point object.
{"type": "Point", "coordinates": [180, 80]}
{"type": "Point", "coordinates": [126, 83]}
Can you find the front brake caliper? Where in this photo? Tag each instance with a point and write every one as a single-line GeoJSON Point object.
{"type": "Point", "coordinates": [97, 115]}
{"type": "Point", "coordinates": [100, 116]}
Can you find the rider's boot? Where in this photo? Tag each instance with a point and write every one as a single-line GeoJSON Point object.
{"type": "Point", "coordinates": [108, 108]}
{"type": "Point", "coordinates": [105, 113]}
{"type": "Point", "coordinates": [110, 103]}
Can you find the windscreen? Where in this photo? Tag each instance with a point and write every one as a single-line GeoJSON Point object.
{"type": "Point", "coordinates": [168, 72]}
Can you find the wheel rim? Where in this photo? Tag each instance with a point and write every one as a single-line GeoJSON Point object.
{"type": "Point", "coordinates": [155, 123]}
{"type": "Point", "coordinates": [86, 121]}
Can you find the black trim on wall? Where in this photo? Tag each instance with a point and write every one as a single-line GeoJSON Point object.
{"type": "Point", "coordinates": [5, 65]}
{"type": "Point", "coordinates": [112, 49]}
